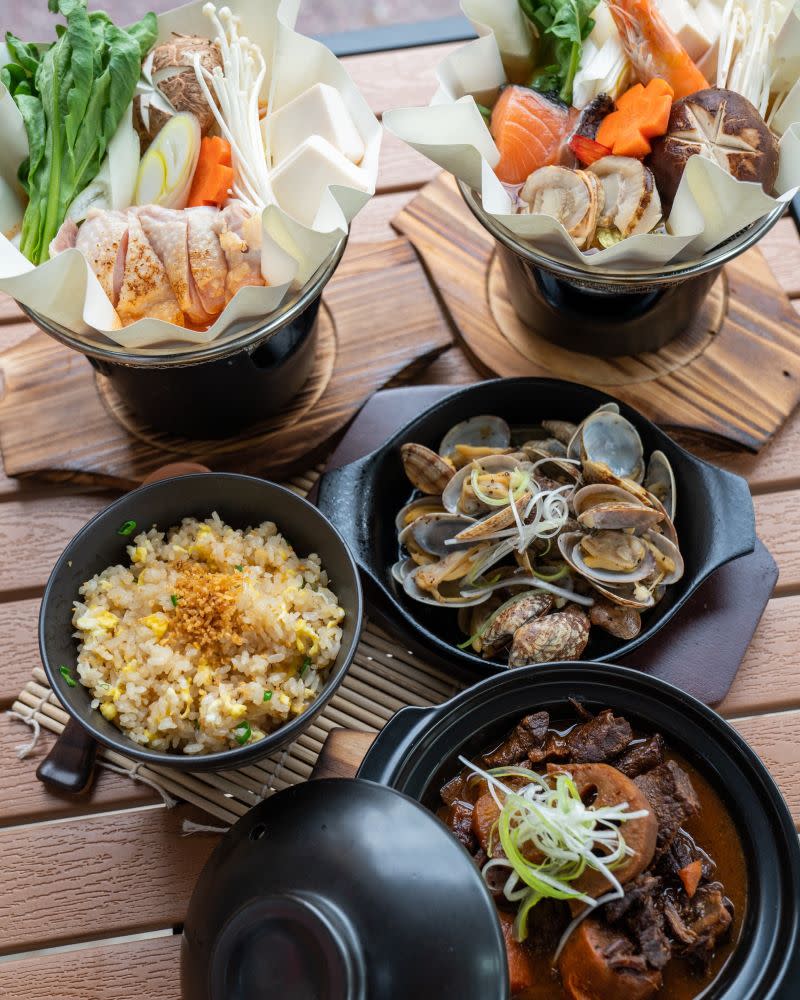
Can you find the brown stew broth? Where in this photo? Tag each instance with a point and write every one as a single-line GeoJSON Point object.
{"type": "Point", "coordinates": [714, 832]}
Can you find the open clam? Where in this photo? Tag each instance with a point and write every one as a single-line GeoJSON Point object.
{"type": "Point", "coordinates": [440, 582]}
{"type": "Point", "coordinates": [660, 481]}
{"type": "Point", "coordinates": [574, 443]}
{"type": "Point", "coordinates": [611, 439]}
{"type": "Point", "coordinates": [434, 533]}
{"type": "Point", "coordinates": [475, 438]}
{"type": "Point", "coordinates": [483, 484]}
{"type": "Point", "coordinates": [416, 508]}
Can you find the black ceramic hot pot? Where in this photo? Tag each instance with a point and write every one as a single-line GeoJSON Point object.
{"type": "Point", "coordinates": [607, 313]}
{"type": "Point", "coordinates": [241, 501]}
{"type": "Point", "coordinates": [214, 390]}
{"type": "Point", "coordinates": [354, 890]}
{"type": "Point", "coordinates": [418, 749]}
{"type": "Point", "coordinates": [715, 520]}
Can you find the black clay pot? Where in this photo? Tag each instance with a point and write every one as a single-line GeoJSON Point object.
{"type": "Point", "coordinates": [241, 501]}
{"type": "Point", "coordinates": [715, 520]}
{"type": "Point", "coordinates": [418, 750]}
{"type": "Point", "coordinates": [607, 313]}
{"type": "Point", "coordinates": [215, 390]}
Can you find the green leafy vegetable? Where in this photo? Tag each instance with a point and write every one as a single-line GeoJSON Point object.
{"type": "Point", "coordinates": [485, 112]}
{"type": "Point", "coordinates": [127, 528]}
{"type": "Point", "coordinates": [243, 733]}
{"type": "Point", "coordinates": [563, 26]}
{"type": "Point", "coordinates": [72, 96]}
{"type": "Point", "coordinates": [65, 673]}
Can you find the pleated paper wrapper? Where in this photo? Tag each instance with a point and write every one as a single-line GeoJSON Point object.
{"type": "Point", "coordinates": [710, 206]}
{"type": "Point", "coordinates": [66, 291]}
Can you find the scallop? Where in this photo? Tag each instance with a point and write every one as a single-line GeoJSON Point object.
{"type": "Point", "coordinates": [631, 202]}
{"type": "Point", "coordinates": [566, 196]}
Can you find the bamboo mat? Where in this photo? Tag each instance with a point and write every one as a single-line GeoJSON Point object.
{"type": "Point", "coordinates": [383, 678]}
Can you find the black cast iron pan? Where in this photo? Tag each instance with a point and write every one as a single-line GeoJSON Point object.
{"type": "Point", "coordinates": [715, 520]}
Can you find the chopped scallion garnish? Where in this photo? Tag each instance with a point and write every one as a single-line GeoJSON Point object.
{"type": "Point", "coordinates": [267, 696]}
{"type": "Point", "coordinates": [65, 673]}
{"type": "Point", "coordinates": [239, 569]}
{"type": "Point", "coordinates": [127, 528]}
{"type": "Point", "coordinates": [174, 598]}
{"type": "Point", "coordinates": [306, 664]}
{"type": "Point", "coordinates": [243, 733]}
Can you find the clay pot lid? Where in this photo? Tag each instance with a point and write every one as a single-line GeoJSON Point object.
{"type": "Point", "coordinates": [343, 890]}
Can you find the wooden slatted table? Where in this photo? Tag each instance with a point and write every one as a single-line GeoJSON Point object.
{"type": "Point", "coordinates": [91, 892]}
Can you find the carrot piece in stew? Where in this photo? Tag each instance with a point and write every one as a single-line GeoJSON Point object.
{"type": "Point", "coordinates": [642, 113]}
{"type": "Point", "coordinates": [213, 175]}
{"type": "Point", "coordinates": [690, 876]}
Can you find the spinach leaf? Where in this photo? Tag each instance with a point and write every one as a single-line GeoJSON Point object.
{"type": "Point", "coordinates": [563, 26]}
{"type": "Point", "coordinates": [72, 96]}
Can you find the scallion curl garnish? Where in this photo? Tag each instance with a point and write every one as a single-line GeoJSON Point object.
{"type": "Point", "coordinates": [519, 481]}
{"type": "Point", "coordinates": [548, 818]}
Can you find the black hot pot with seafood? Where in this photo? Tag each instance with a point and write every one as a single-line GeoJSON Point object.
{"type": "Point", "coordinates": [714, 517]}
{"type": "Point", "coordinates": [214, 390]}
{"type": "Point", "coordinates": [608, 313]}
{"type": "Point", "coordinates": [351, 889]}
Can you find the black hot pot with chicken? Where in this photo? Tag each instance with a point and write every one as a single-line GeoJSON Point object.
{"type": "Point", "coordinates": [633, 844]}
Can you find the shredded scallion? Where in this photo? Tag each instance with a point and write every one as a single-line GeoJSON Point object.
{"type": "Point", "coordinates": [65, 673]}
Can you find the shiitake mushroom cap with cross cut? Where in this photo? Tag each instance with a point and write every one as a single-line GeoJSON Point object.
{"type": "Point", "coordinates": [722, 126]}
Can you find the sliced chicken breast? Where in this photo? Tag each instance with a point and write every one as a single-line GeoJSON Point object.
{"type": "Point", "coordinates": [240, 239]}
{"type": "Point", "coordinates": [207, 258]}
{"type": "Point", "coordinates": [146, 290]}
{"type": "Point", "coordinates": [167, 232]}
{"type": "Point", "coordinates": [103, 241]}
{"type": "Point", "coordinates": [64, 238]}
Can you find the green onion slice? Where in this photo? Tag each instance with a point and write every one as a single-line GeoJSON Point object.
{"type": "Point", "coordinates": [239, 569]}
{"type": "Point", "coordinates": [127, 528]}
{"type": "Point", "coordinates": [519, 482]}
{"type": "Point", "coordinates": [174, 598]}
{"type": "Point", "coordinates": [306, 664]}
{"type": "Point", "coordinates": [65, 673]}
{"type": "Point", "coordinates": [267, 696]}
{"type": "Point", "coordinates": [243, 733]}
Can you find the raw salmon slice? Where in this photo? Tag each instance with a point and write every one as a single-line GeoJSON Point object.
{"type": "Point", "coordinates": [528, 129]}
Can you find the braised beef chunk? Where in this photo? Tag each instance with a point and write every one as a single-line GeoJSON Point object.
{"type": "Point", "coordinates": [553, 748]}
{"type": "Point", "coordinates": [699, 923]}
{"type": "Point", "coordinates": [683, 852]}
{"type": "Point", "coordinates": [639, 914]}
{"type": "Point", "coordinates": [528, 734]}
{"type": "Point", "coordinates": [642, 757]}
{"type": "Point", "coordinates": [459, 819]}
{"type": "Point", "coordinates": [669, 791]}
{"type": "Point", "coordinates": [600, 740]}
{"type": "Point", "coordinates": [454, 789]}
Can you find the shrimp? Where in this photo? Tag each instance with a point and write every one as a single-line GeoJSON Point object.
{"type": "Point", "coordinates": [653, 48]}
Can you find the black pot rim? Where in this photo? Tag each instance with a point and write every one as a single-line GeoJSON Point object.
{"type": "Point", "coordinates": [405, 619]}
{"type": "Point", "coordinates": [246, 341]}
{"type": "Point", "coordinates": [415, 732]}
{"type": "Point", "coordinates": [221, 759]}
{"type": "Point", "coordinates": [664, 274]}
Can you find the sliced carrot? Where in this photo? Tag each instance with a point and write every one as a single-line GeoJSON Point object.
{"type": "Point", "coordinates": [213, 175]}
{"type": "Point", "coordinates": [642, 113]}
{"type": "Point", "coordinates": [690, 876]}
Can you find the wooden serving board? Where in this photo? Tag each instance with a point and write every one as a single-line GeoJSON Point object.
{"type": "Point", "coordinates": [735, 373]}
{"type": "Point", "coordinates": [342, 753]}
{"type": "Point", "coordinates": [380, 320]}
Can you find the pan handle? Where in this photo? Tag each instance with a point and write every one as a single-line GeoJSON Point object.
{"type": "Point", "coordinates": [69, 767]}
{"type": "Point", "coordinates": [734, 531]}
{"type": "Point", "coordinates": [343, 499]}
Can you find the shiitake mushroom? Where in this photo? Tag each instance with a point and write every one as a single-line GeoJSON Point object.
{"type": "Point", "coordinates": [722, 126]}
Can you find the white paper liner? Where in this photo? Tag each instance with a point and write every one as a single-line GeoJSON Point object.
{"type": "Point", "coordinates": [709, 208]}
{"type": "Point", "coordinates": [65, 290]}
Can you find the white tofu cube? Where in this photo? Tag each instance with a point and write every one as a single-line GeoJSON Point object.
{"type": "Point", "coordinates": [318, 111]}
{"type": "Point", "coordinates": [300, 180]}
{"type": "Point", "coordinates": [684, 22]}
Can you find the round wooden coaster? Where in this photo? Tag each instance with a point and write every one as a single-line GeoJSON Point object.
{"type": "Point", "coordinates": [531, 354]}
{"type": "Point", "coordinates": [269, 432]}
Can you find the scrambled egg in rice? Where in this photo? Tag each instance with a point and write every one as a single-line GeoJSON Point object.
{"type": "Point", "coordinates": [211, 637]}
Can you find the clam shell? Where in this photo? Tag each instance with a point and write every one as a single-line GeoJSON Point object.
{"type": "Point", "coordinates": [660, 482]}
{"type": "Point", "coordinates": [569, 546]}
{"type": "Point", "coordinates": [455, 600]}
{"type": "Point", "coordinates": [479, 432]}
{"type": "Point", "coordinates": [671, 550]}
{"type": "Point", "coordinates": [425, 469]}
{"type": "Point", "coordinates": [562, 430]}
{"type": "Point", "coordinates": [611, 439]}
{"type": "Point", "coordinates": [559, 636]}
{"type": "Point", "coordinates": [521, 608]}
{"type": "Point", "coordinates": [619, 621]}
{"type": "Point", "coordinates": [620, 517]}
{"type": "Point", "coordinates": [416, 508]}
{"type": "Point", "coordinates": [432, 531]}
{"type": "Point", "coordinates": [494, 463]}
{"type": "Point", "coordinates": [574, 445]}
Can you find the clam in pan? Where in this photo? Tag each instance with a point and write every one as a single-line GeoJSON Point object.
{"type": "Point", "coordinates": [535, 535]}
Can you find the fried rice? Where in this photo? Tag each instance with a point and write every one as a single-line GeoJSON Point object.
{"type": "Point", "coordinates": [210, 639]}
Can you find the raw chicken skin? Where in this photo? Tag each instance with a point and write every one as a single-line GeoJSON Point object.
{"type": "Point", "coordinates": [103, 241]}
{"type": "Point", "coordinates": [240, 238]}
{"type": "Point", "coordinates": [158, 263]}
{"type": "Point", "coordinates": [168, 234]}
{"type": "Point", "coordinates": [207, 259]}
{"type": "Point", "coordinates": [146, 291]}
